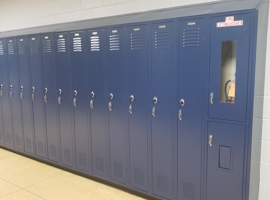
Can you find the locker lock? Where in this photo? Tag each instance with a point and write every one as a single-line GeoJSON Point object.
{"type": "Point", "coordinates": [33, 89]}
{"type": "Point", "coordinates": [11, 86]}
{"type": "Point", "coordinates": [75, 93]}
{"type": "Point", "coordinates": [111, 96]}
{"type": "Point", "coordinates": [182, 102]}
{"type": "Point", "coordinates": [59, 91]}
{"type": "Point", "coordinates": [92, 94]}
{"type": "Point", "coordinates": [46, 90]}
{"type": "Point", "coordinates": [21, 88]}
{"type": "Point", "coordinates": [131, 98]}
{"type": "Point", "coordinates": [155, 100]}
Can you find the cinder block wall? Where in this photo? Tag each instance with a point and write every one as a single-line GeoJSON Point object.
{"type": "Point", "coordinates": [18, 14]}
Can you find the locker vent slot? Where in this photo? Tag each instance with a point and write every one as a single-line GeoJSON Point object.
{"type": "Point", "coordinates": [61, 45]}
{"type": "Point", "coordinates": [95, 43]}
{"type": "Point", "coordinates": [40, 147]}
{"type": "Point", "coordinates": [191, 37]}
{"type": "Point", "coordinates": [8, 137]}
{"type": "Point", "coordinates": [139, 176]}
{"type": "Point", "coordinates": [99, 164]}
{"type": "Point", "coordinates": [47, 46]}
{"type": "Point", "coordinates": [33, 46]}
{"type": "Point", "coordinates": [161, 40]}
{"type": "Point", "coordinates": [82, 159]}
{"type": "Point", "coordinates": [1, 49]}
{"type": "Point", "coordinates": [18, 140]}
{"type": "Point", "coordinates": [77, 44]}
{"type": "Point", "coordinates": [136, 41]}
{"type": "Point", "coordinates": [67, 155]}
{"type": "Point", "coordinates": [118, 169]}
{"type": "Point", "coordinates": [114, 43]}
{"type": "Point", "coordinates": [10, 48]}
{"type": "Point", "coordinates": [22, 47]}
{"type": "Point", "coordinates": [53, 150]}
{"type": "Point", "coordinates": [29, 143]}
{"type": "Point", "coordinates": [188, 191]}
{"type": "Point", "coordinates": [162, 183]}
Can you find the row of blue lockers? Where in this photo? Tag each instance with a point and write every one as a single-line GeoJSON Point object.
{"type": "Point", "coordinates": [123, 103]}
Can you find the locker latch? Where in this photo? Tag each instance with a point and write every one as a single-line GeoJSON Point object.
{"type": "Point", "coordinates": [111, 96]}
{"type": "Point", "coordinates": [45, 96]}
{"type": "Point", "coordinates": [155, 100]}
{"type": "Point", "coordinates": [75, 99]}
{"type": "Point", "coordinates": [59, 98]}
{"type": "Point", "coordinates": [21, 94]}
{"type": "Point", "coordinates": [92, 101]}
{"type": "Point", "coordinates": [210, 140]}
{"type": "Point", "coordinates": [180, 115]}
{"type": "Point", "coordinates": [33, 93]}
{"type": "Point", "coordinates": [212, 98]}
{"type": "Point", "coordinates": [11, 91]}
{"type": "Point", "coordinates": [182, 102]}
{"type": "Point", "coordinates": [110, 103]}
{"type": "Point", "coordinates": [131, 99]}
{"type": "Point", "coordinates": [1, 90]}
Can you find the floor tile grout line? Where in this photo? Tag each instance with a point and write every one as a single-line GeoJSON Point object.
{"type": "Point", "coordinates": [41, 181]}
{"type": "Point", "coordinates": [11, 193]}
{"type": "Point", "coordinates": [34, 194]}
{"type": "Point", "coordinates": [12, 183]}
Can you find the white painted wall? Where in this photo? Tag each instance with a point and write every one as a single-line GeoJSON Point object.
{"type": "Point", "coordinates": [18, 14]}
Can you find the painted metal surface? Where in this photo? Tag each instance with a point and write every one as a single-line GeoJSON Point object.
{"type": "Point", "coordinates": [64, 99]}
{"type": "Point", "coordinates": [35, 61]}
{"type": "Point", "coordinates": [97, 102]}
{"type": "Point", "coordinates": [190, 103]}
{"type": "Point", "coordinates": [138, 104]}
{"type": "Point", "coordinates": [26, 101]}
{"type": "Point", "coordinates": [79, 88]}
{"type": "Point", "coordinates": [163, 90]}
{"type": "Point", "coordinates": [49, 93]}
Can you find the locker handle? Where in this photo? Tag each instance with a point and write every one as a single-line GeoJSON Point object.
{"type": "Point", "coordinates": [92, 104]}
{"type": "Point", "coordinates": [210, 140]}
{"type": "Point", "coordinates": [45, 98]}
{"type": "Point", "coordinates": [130, 110]}
{"type": "Point", "coordinates": [1, 91]}
{"type": "Point", "coordinates": [75, 102]}
{"type": "Point", "coordinates": [212, 98]}
{"type": "Point", "coordinates": [21, 96]}
{"type": "Point", "coordinates": [11, 92]}
{"type": "Point", "coordinates": [110, 106]}
{"type": "Point", "coordinates": [180, 115]}
{"type": "Point", "coordinates": [153, 111]}
{"type": "Point", "coordinates": [33, 97]}
{"type": "Point", "coordinates": [59, 100]}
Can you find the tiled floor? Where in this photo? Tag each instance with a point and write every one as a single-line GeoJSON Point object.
{"type": "Point", "coordinates": [22, 178]}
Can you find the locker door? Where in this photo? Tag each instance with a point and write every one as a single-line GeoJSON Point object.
{"type": "Point", "coordinates": [50, 97]}
{"type": "Point", "coordinates": [2, 134]}
{"type": "Point", "coordinates": [15, 101]}
{"type": "Point", "coordinates": [229, 67]}
{"type": "Point", "coordinates": [80, 98]}
{"type": "Point", "coordinates": [37, 95]}
{"type": "Point", "coordinates": [64, 99]}
{"type": "Point", "coordinates": [163, 98]}
{"type": "Point", "coordinates": [97, 101]}
{"type": "Point", "coordinates": [225, 161]}
{"type": "Point", "coordinates": [26, 101]}
{"type": "Point", "coordinates": [114, 67]}
{"type": "Point", "coordinates": [190, 113]}
{"type": "Point", "coordinates": [5, 97]}
{"type": "Point", "coordinates": [138, 91]}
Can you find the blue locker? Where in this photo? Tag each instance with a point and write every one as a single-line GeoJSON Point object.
{"type": "Point", "coordinates": [97, 101]}
{"type": "Point", "coordinates": [37, 95]}
{"type": "Point", "coordinates": [14, 76]}
{"type": "Point", "coordinates": [229, 67]}
{"type": "Point", "coordinates": [190, 103]}
{"type": "Point", "coordinates": [115, 88]}
{"type": "Point", "coordinates": [80, 98]}
{"type": "Point", "coordinates": [225, 161]}
{"type": "Point", "coordinates": [3, 82]}
{"type": "Point", "coordinates": [50, 97]}
{"type": "Point", "coordinates": [26, 92]}
{"type": "Point", "coordinates": [64, 100]}
{"type": "Point", "coordinates": [6, 95]}
{"type": "Point", "coordinates": [163, 86]}
{"type": "Point", "coordinates": [138, 91]}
